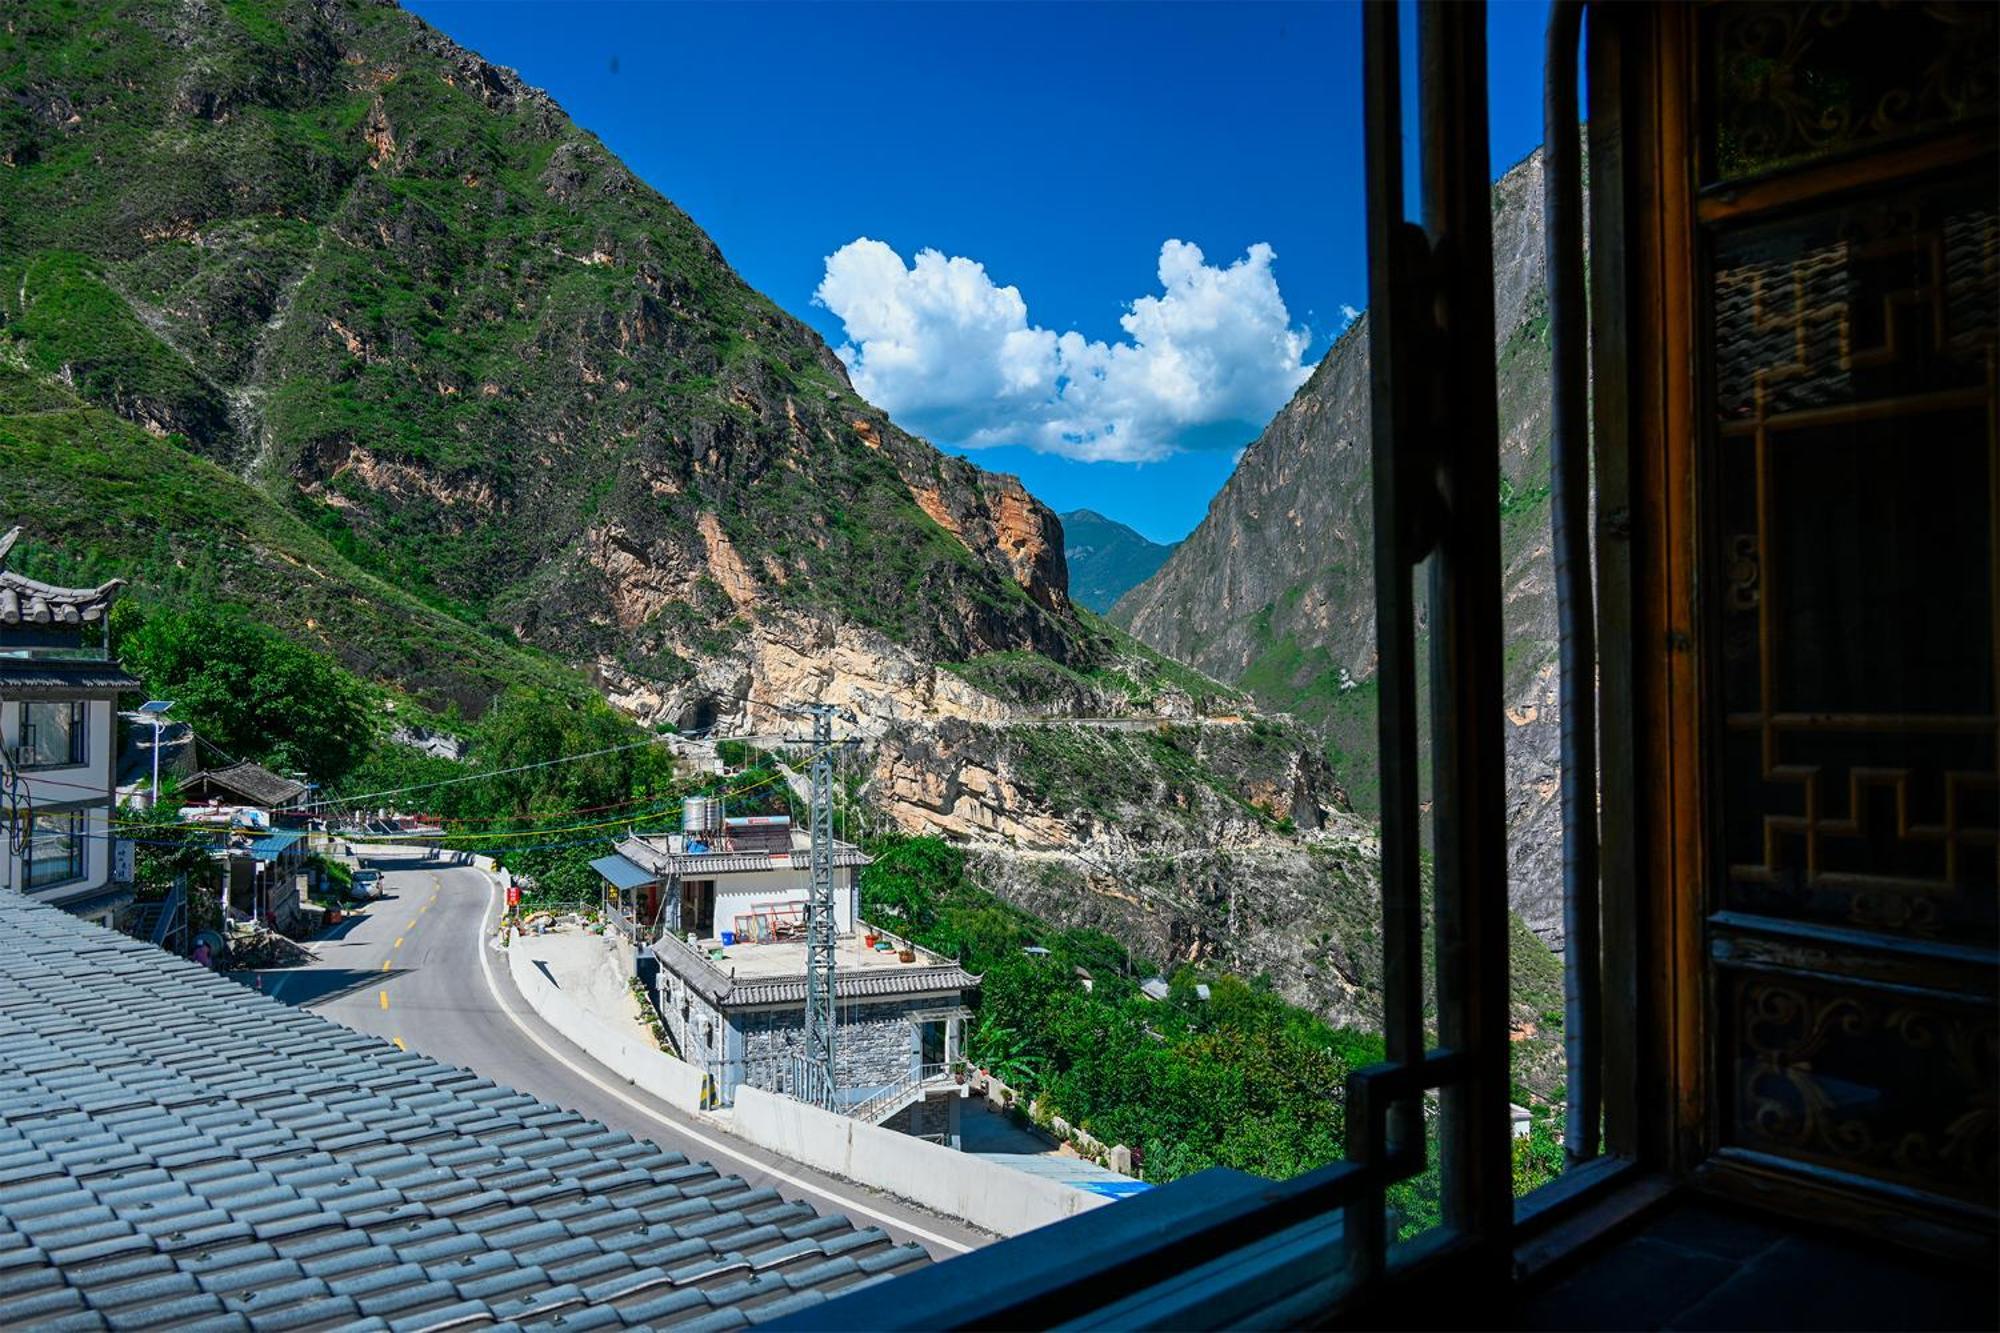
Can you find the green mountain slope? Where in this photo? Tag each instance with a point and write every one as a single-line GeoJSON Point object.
{"type": "Point", "coordinates": [1106, 558]}
{"type": "Point", "coordinates": [102, 499]}
{"type": "Point", "coordinates": [408, 297]}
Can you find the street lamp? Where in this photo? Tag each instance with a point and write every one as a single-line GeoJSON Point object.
{"type": "Point", "coordinates": [156, 709]}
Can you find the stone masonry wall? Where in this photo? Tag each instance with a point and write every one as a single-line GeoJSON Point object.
{"type": "Point", "coordinates": [874, 1043]}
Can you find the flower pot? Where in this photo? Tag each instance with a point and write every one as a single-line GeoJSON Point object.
{"type": "Point", "coordinates": [868, 940]}
{"type": "Point", "coordinates": [907, 956]}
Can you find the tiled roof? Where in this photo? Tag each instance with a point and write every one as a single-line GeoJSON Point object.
{"type": "Point", "coordinates": [177, 1149]}
{"type": "Point", "coordinates": [43, 673]}
{"type": "Point", "coordinates": [253, 781]}
{"type": "Point", "coordinates": [26, 601]}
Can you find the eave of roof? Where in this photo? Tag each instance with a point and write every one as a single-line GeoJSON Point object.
{"type": "Point", "coordinates": [55, 675]}
{"type": "Point", "coordinates": [26, 601]}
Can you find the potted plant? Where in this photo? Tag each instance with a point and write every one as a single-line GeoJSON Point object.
{"type": "Point", "coordinates": [958, 1072]}
{"type": "Point", "coordinates": [906, 955]}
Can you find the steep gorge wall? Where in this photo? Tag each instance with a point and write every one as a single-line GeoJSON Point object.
{"type": "Point", "coordinates": [1274, 591]}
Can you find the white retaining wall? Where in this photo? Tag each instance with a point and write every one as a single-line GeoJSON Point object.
{"type": "Point", "coordinates": [956, 1184]}
{"type": "Point", "coordinates": [646, 1067]}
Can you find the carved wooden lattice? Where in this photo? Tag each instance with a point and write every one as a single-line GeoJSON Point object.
{"type": "Point", "coordinates": [1852, 502]}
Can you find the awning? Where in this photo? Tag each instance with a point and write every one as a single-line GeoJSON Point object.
{"type": "Point", "coordinates": [273, 845]}
{"type": "Point", "coordinates": [622, 873]}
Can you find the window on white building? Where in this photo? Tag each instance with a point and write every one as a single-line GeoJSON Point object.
{"type": "Point", "coordinates": [52, 734]}
{"type": "Point", "coordinates": [55, 848]}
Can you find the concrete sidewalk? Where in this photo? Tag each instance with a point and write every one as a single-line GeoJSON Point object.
{"type": "Point", "coordinates": [592, 971]}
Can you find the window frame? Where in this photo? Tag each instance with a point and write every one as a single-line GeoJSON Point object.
{"type": "Point", "coordinates": [78, 735]}
{"type": "Point", "coordinates": [77, 862]}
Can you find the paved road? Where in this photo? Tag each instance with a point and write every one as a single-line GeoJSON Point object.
{"type": "Point", "coordinates": [414, 969]}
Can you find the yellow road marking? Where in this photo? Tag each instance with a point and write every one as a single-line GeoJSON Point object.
{"type": "Point", "coordinates": [385, 999]}
{"type": "Point", "coordinates": [412, 925]}
{"type": "Point", "coordinates": [385, 965]}
{"type": "Point", "coordinates": [398, 1042]}
{"type": "Point", "coordinates": [399, 942]}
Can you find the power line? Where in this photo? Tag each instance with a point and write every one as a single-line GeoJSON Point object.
{"type": "Point", "coordinates": [347, 799]}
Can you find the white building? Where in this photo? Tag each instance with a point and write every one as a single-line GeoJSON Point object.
{"type": "Point", "coordinates": [58, 698]}
{"type": "Point", "coordinates": [723, 907]}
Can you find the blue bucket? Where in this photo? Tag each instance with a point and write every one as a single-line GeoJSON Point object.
{"type": "Point", "coordinates": [728, 938]}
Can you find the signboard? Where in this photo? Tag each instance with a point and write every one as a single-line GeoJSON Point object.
{"type": "Point", "coordinates": [513, 895]}
{"type": "Point", "coordinates": [123, 867]}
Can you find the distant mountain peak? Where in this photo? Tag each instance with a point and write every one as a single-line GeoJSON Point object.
{"type": "Point", "coordinates": [1106, 558]}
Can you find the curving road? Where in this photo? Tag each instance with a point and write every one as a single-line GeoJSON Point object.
{"type": "Point", "coordinates": [414, 969]}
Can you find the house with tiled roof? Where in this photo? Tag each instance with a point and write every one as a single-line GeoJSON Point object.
{"type": "Point", "coordinates": [235, 1162]}
{"type": "Point", "coordinates": [722, 907]}
{"type": "Point", "coordinates": [247, 784]}
{"type": "Point", "coordinates": [59, 691]}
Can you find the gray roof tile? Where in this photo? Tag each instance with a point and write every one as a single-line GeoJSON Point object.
{"type": "Point", "coordinates": [665, 1307]}
{"type": "Point", "coordinates": [236, 1162]}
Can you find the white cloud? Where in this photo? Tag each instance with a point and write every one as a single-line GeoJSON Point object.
{"type": "Point", "coordinates": [941, 345]}
{"type": "Point", "coordinates": [1348, 314]}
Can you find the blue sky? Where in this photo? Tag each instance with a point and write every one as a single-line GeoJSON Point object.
{"type": "Point", "coordinates": [1055, 149]}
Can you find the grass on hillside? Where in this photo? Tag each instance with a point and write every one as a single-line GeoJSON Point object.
{"type": "Point", "coordinates": [102, 499]}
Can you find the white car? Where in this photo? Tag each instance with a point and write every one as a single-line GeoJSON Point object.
{"type": "Point", "coordinates": [367, 884]}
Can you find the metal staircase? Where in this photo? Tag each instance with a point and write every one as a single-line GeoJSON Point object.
{"type": "Point", "coordinates": [908, 1090]}
{"type": "Point", "coordinates": [164, 923]}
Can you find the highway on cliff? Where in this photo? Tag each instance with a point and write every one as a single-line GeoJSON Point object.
{"type": "Point", "coordinates": [416, 969]}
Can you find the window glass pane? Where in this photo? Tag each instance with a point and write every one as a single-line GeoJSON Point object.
{"type": "Point", "coordinates": [55, 849]}
{"type": "Point", "coordinates": [51, 733]}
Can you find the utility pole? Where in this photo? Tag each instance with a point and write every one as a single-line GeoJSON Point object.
{"type": "Point", "coordinates": [818, 1083]}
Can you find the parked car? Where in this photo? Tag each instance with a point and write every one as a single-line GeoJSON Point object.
{"type": "Point", "coordinates": [367, 884]}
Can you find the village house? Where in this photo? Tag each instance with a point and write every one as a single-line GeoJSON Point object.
{"type": "Point", "coordinates": [251, 785]}
{"type": "Point", "coordinates": [723, 909]}
{"type": "Point", "coordinates": [59, 691]}
{"type": "Point", "coordinates": [263, 847]}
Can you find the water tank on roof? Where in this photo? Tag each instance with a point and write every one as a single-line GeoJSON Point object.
{"type": "Point", "coordinates": [701, 814]}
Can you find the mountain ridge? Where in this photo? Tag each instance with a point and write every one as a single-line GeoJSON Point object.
{"type": "Point", "coordinates": [1274, 591]}
{"type": "Point", "coordinates": [1106, 558]}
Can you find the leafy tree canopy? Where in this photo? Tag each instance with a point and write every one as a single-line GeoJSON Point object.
{"type": "Point", "coordinates": [248, 689]}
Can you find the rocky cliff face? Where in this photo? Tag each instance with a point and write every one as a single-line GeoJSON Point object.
{"type": "Point", "coordinates": [1217, 842]}
{"type": "Point", "coordinates": [1275, 592]}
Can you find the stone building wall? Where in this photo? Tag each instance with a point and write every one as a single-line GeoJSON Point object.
{"type": "Point", "coordinates": [875, 1042]}
{"type": "Point", "coordinates": [700, 1034]}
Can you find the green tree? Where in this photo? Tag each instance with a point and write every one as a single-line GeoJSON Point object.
{"type": "Point", "coordinates": [248, 689]}
{"type": "Point", "coordinates": [531, 727]}
{"type": "Point", "coordinates": [910, 877]}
